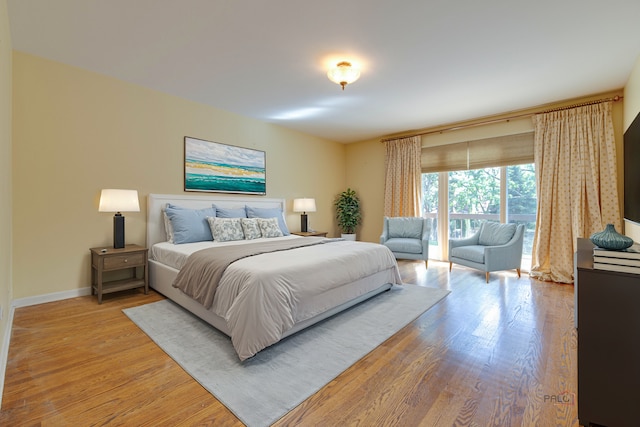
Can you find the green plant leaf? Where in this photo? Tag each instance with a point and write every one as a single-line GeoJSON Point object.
{"type": "Point", "coordinates": [348, 214]}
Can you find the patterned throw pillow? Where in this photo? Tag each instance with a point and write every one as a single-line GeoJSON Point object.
{"type": "Point", "coordinates": [226, 229]}
{"type": "Point", "coordinates": [251, 228]}
{"type": "Point", "coordinates": [269, 227]}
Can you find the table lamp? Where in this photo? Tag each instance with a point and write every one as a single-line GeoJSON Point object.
{"type": "Point", "coordinates": [304, 205]}
{"type": "Point", "coordinates": [112, 200]}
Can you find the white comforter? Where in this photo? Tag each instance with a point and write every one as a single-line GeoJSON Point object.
{"type": "Point", "coordinates": [260, 296]}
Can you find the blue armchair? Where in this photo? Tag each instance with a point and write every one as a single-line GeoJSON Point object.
{"type": "Point", "coordinates": [493, 247]}
{"type": "Point", "coordinates": [407, 237]}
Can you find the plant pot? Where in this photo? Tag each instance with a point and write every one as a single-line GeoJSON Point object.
{"type": "Point", "coordinates": [349, 237]}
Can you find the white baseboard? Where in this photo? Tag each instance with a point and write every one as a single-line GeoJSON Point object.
{"type": "Point", "coordinates": [55, 296]}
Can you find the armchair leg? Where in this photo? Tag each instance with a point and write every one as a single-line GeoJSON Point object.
{"type": "Point", "coordinates": [518, 270]}
{"type": "Point", "coordinates": [487, 276]}
{"type": "Point", "coordinates": [450, 265]}
{"type": "Point", "coordinates": [426, 263]}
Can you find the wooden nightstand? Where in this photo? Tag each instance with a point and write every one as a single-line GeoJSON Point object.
{"type": "Point", "coordinates": [110, 259]}
{"type": "Point", "coordinates": [310, 233]}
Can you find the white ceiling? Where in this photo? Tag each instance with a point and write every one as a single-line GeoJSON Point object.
{"type": "Point", "coordinates": [424, 62]}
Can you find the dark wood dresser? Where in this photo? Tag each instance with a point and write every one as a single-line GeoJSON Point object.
{"type": "Point", "coordinates": [608, 310]}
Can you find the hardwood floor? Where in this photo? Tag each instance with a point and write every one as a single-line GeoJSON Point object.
{"type": "Point", "coordinates": [488, 354]}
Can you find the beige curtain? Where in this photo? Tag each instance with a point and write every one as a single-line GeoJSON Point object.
{"type": "Point", "coordinates": [402, 192]}
{"type": "Point", "coordinates": [575, 158]}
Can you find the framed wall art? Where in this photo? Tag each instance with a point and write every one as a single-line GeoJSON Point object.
{"type": "Point", "coordinates": [221, 168]}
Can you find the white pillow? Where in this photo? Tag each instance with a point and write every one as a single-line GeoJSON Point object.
{"type": "Point", "coordinates": [269, 227]}
{"type": "Point", "coordinates": [168, 228]}
{"type": "Point", "coordinates": [225, 229]}
{"type": "Point", "coordinates": [251, 228]}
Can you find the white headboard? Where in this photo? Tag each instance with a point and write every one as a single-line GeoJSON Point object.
{"type": "Point", "coordinates": [157, 202]}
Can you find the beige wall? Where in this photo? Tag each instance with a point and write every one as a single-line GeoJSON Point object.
{"type": "Point", "coordinates": [631, 110]}
{"type": "Point", "coordinates": [76, 132]}
{"type": "Point", "coordinates": [365, 174]}
{"type": "Point", "coordinates": [5, 174]}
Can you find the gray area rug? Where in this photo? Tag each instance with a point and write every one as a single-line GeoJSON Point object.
{"type": "Point", "coordinates": [260, 390]}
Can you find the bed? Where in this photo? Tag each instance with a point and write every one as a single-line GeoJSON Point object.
{"type": "Point", "coordinates": [263, 298]}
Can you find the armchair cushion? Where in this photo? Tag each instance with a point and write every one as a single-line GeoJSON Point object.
{"type": "Point", "coordinates": [410, 228]}
{"type": "Point", "coordinates": [401, 244]}
{"type": "Point", "coordinates": [494, 234]}
{"type": "Point", "coordinates": [473, 253]}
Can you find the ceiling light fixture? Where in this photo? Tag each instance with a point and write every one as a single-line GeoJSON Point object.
{"type": "Point", "coordinates": [343, 74]}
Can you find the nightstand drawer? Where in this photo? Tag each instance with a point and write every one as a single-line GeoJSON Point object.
{"type": "Point", "coordinates": [122, 261]}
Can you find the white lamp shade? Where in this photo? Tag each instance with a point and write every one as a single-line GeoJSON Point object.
{"type": "Point", "coordinates": [304, 205]}
{"type": "Point", "coordinates": [113, 200]}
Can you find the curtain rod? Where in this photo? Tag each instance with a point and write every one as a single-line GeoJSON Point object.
{"type": "Point", "coordinates": [506, 119]}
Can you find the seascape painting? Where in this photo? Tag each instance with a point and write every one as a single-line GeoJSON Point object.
{"type": "Point", "coordinates": [215, 167]}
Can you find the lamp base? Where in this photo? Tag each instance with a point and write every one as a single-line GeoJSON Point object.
{"type": "Point", "coordinates": [118, 231]}
{"type": "Point", "coordinates": [303, 223]}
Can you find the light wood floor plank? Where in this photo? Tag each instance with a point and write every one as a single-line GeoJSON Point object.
{"type": "Point", "coordinates": [487, 354]}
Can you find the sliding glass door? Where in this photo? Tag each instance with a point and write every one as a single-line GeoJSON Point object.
{"type": "Point", "coordinates": [521, 205]}
{"type": "Point", "coordinates": [504, 194]}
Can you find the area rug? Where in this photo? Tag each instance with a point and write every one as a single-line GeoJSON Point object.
{"type": "Point", "coordinates": [260, 390]}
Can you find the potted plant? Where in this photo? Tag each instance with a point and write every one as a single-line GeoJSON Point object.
{"type": "Point", "coordinates": [348, 213]}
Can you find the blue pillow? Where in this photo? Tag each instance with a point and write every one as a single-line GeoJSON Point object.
{"type": "Point", "coordinates": [269, 213]}
{"type": "Point", "coordinates": [229, 212]}
{"type": "Point", "coordinates": [190, 225]}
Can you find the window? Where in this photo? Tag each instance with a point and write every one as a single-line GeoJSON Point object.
{"type": "Point", "coordinates": [474, 196]}
{"type": "Point", "coordinates": [489, 178]}
{"type": "Point", "coordinates": [430, 204]}
{"type": "Point", "coordinates": [522, 203]}
{"type": "Point", "coordinates": [505, 194]}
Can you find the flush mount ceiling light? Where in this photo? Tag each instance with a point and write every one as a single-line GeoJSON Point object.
{"type": "Point", "coordinates": [343, 74]}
